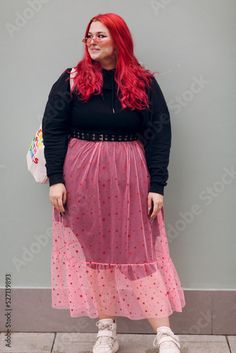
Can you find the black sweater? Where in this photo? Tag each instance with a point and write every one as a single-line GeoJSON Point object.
{"type": "Point", "coordinates": [102, 113]}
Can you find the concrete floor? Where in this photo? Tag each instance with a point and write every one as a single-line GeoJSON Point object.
{"type": "Point", "coordinates": [22, 342]}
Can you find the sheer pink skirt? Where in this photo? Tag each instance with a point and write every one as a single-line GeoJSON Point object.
{"type": "Point", "coordinates": [107, 257]}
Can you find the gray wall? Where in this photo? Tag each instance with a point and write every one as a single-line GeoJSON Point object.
{"type": "Point", "coordinates": [191, 44]}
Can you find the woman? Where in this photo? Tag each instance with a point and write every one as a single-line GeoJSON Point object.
{"type": "Point", "coordinates": [107, 144]}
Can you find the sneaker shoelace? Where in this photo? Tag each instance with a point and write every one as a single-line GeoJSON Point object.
{"type": "Point", "coordinates": [104, 340]}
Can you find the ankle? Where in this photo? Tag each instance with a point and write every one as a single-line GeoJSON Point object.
{"type": "Point", "coordinates": [104, 318]}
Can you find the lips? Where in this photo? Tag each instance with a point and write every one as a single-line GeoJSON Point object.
{"type": "Point", "coordinates": [94, 49]}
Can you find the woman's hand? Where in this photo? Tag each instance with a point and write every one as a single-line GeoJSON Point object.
{"type": "Point", "coordinates": [156, 200]}
{"type": "Point", "coordinates": [57, 196]}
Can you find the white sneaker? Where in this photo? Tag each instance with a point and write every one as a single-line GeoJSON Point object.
{"type": "Point", "coordinates": [106, 341]}
{"type": "Point", "coordinates": [166, 340]}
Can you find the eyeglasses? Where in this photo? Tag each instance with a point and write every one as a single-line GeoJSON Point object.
{"type": "Point", "coordinates": [88, 39]}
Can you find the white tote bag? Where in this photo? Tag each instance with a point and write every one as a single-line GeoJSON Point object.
{"type": "Point", "coordinates": [35, 158]}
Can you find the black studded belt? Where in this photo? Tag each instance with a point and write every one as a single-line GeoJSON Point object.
{"type": "Point", "coordinates": [104, 136]}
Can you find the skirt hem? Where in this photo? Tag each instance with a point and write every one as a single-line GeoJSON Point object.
{"type": "Point", "coordinates": [141, 317]}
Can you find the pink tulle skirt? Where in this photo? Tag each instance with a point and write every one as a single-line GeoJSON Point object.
{"type": "Point", "coordinates": [107, 257]}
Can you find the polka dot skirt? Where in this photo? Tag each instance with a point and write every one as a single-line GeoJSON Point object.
{"type": "Point", "coordinates": [107, 257]}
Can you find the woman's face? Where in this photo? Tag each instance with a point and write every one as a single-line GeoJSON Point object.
{"type": "Point", "coordinates": [101, 47]}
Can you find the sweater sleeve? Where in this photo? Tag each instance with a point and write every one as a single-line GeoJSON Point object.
{"type": "Point", "coordinates": [157, 137]}
{"type": "Point", "coordinates": [55, 127]}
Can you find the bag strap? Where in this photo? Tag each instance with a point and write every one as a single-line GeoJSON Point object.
{"type": "Point", "coordinates": [72, 76]}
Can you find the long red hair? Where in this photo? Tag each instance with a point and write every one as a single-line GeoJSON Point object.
{"type": "Point", "coordinates": [131, 77]}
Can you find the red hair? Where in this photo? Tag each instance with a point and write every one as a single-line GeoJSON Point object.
{"type": "Point", "coordinates": [131, 77]}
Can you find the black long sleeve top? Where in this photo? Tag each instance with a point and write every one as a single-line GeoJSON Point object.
{"type": "Point", "coordinates": [103, 113]}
